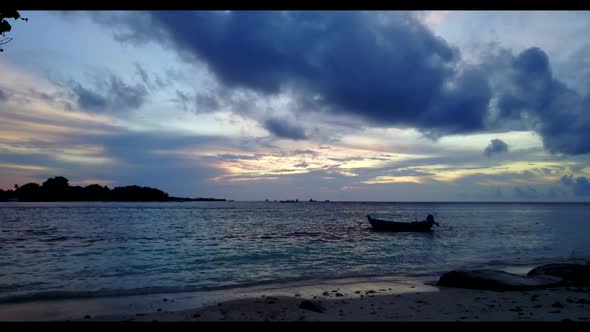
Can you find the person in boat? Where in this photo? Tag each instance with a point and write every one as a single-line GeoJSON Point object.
{"type": "Point", "coordinates": [430, 219]}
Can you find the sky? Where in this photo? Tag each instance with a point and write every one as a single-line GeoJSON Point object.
{"type": "Point", "coordinates": [343, 106]}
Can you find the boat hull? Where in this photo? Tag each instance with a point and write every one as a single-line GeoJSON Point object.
{"type": "Point", "coordinates": [392, 226]}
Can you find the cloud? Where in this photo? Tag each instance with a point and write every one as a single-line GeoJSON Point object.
{"type": "Point", "coordinates": [496, 146]}
{"type": "Point", "coordinates": [567, 180]}
{"type": "Point", "coordinates": [235, 157]}
{"type": "Point", "coordinates": [525, 192]}
{"type": "Point", "coordinates": [580, 186]}
{"type": "Point", "coordinates": [303, 164]}
{"type": "Point", "coordinates": [111, 95]}
{"type": "Point", "coordinates": [558, 113]}
{"type": "Point", "coordinates": [3, 95]}
{"type": "Point", "coordinates": [388, 69]}
{"type": "Point", "coordinates": [283, 129]}
{"type": "Point", "coordinates": [369, 65]}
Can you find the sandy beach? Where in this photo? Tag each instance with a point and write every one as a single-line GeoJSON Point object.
{"type": "Point", "coordinates": [378, 305]}
{"type": "Point", "coordinates": [344, 300]}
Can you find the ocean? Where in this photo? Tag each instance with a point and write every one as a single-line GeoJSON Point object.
{"type": "Point", "coordinates": [95, 249]}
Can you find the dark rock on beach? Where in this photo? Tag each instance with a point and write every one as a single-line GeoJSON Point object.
{"type": "Point", "coordinates": [312, 306]}
{"type": "Point", "coordinates": [572, 274]}
{"type": "Point", "coordinates": [496, 280]}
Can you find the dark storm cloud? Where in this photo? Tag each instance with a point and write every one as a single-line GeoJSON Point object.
{"type": "Point", "coordinates": [496, 146]}
{"type": "Point", "coordinates": [283, 129]}
{"type": "Point", "coordinates": [388, 69]}
{"type": "Point", "coordinates": [580, 186]}
{"type": "Point", "coordinates": [112, 95]}
{"type": "Point", "coordinates": [558, 113]}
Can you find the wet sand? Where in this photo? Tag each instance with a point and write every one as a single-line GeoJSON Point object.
{"type": "Point", "coordinates": [344, 300]}
{"type": "Point", "coordinates": [378, 305]}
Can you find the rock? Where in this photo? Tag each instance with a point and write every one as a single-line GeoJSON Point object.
{"type": "Point", "coordinates": [326, 294]}
{"type": "Point", "coordinates": [309, 305]}
{"type": "Point", "coordinates": [583, 301]}
{"type": "Point", "coordinates": [87, 317]}
{"type": "Point", "coordinates": [557, 305]}
{"type": "Point", "coordinates": [495, 280]}
{"type": "Point", "coordinates": [572, 274]}
{"type": "Point", "coordinates": [339, 295]}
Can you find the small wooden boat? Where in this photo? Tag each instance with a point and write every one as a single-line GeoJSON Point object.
{"type": "Point", "coordinates": [393, 226]}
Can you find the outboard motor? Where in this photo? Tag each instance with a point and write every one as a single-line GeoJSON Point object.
{"type": "Point", "coordinates": [430, 219]}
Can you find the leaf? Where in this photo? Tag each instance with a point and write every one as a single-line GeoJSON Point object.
{"type": "Point", "coordinates": [5, 26]}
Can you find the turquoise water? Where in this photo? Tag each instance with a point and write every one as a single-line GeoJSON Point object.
{"type": "Point", "coordinates": [61, 250]}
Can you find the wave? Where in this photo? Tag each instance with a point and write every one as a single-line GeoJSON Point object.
{"type": "Point", "coordinates": [62, 295]}
{"type": "Point", "coordinates": [280, 283]}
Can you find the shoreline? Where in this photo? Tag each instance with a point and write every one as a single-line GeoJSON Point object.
{"type": "Point", "coordinates": [446, 305]}
{"type": "Point", "coordinates": [393, 298]}
{"type": "Point", "coordinates": [77, 308]}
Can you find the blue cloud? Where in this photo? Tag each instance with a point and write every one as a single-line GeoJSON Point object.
{"type": "Point", "coordinates": [559, 113]}
{"type": "Point", "coordinates": [525, 192]}
{"type": "Point", "coordinates": [580, 186]}
{"type": "Point", "coordinates": [496, 146]}
{"type": "Point", "coordinates": [3, 95]}
{"type": "Point", "coordinates": [112, 95]}
{"type": "Point", "coordinates": [390, 71]}
{"type": "Point", "coordinates": [282, 128]}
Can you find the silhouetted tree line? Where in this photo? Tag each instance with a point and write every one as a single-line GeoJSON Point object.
{"type": "Point", "coordinates": [57, 189]}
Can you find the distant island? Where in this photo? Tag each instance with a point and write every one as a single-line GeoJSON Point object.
{"type": "Point", "coordinates": [58, 189]}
